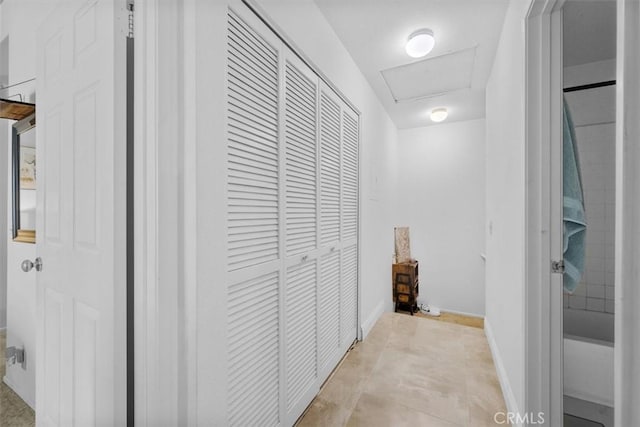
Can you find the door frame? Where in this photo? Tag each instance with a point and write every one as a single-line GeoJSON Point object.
{"type": "Point", "coordinates": [627, 240]}
{"type": "Point", "coordinates": [543, 304]}
{"type": "Point", "coordinates": [543, 222]}
{"type": "Point", "coordinates": [161, 238]}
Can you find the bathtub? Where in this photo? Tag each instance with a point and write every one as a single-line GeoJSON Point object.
{"type": "Point", "coordinates": [588, 356]}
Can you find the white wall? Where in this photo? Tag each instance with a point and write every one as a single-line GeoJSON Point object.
{"type": "Point", "coordinates": [441, 197]}
{"type": "Point", "coordinates": [20, 21]}
{"type": "Point", "coordinates": [306, 26]}
{"type": "Point", "coordinates": [505, 204]}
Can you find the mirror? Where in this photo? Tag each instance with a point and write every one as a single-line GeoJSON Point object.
{"type": "Point", "coordinates": [23, 151]}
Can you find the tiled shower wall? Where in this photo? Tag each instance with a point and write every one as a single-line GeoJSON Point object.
{"type": "Point", "coordinates": [593, 113]}
{"type": "Point", "coordinates": [596, 147]}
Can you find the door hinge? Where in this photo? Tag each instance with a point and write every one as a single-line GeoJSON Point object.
{"type": "Point", "coordinates": [130, 9]}
{"type": "Point", "coordinates": [557, 267]}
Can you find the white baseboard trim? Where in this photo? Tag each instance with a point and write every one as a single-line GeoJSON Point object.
{"type": "Point", "coordinates": [12, 386]}
{"type": "Point", "coordinates": [507, 391]}
{"type": "Point", "coordinates": [367, 325]}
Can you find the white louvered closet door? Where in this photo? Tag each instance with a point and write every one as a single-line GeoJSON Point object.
{"type": "Point", "coordinates": [292, 215]}
{"type": "Point", "coordinates": [329, 292]}
{"type": "Point", "coordinates": [349, 227]}
{"type": "Point", "coordinates": [253, 224]}
{"type": "Point", "coordinates": [338, 293]}
{"type": "Point", "coordinates": [300, 222]}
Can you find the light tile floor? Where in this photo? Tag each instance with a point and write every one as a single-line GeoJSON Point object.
{"type": "Point", "coordinates": [412, 371]}
{"type": "Point", "coordinates": [14, 412]}
{"type": "Point", "coordinates": [409, 371]}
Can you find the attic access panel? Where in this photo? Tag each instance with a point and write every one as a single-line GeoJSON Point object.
{"type": "Point", "coordinates": [15, 110]}
{"type": "Point", "coordinates": [431, 76]}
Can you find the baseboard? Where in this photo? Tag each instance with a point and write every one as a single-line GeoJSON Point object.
{"type": "Point", "coordinates": [369, 322]}
{"type": "Point", "coordinates": [12, 386]}
{"type": "Point", "coordinates": [462, 313]}
{"type": "Point", "coordinates": [507, 391]}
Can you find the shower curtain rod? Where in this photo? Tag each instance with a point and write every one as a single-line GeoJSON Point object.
{"type": "Point", "coordinates": [589, 86]}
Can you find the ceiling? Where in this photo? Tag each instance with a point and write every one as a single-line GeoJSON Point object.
{"type": "Point", "coordinates": [453, 75]}
{"type": "Point", "coordinates": [589, 31]}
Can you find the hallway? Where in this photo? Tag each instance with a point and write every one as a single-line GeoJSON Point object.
{"type": "Point", "coordinates": [412, 371]}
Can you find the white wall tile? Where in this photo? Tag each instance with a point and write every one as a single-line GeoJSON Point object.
{"type": "Point", "coordinates": [610, 264]}
{"type": "Point", "coordinates": [597, 277]}
{"type": "Point", "coordinates": [577, 302]}
{"type": "Point", "coordinates": [595, 304]}
{"type": "Point", "coordinates": [595, 291]}
{"type": "Point", "coordinates": [581, 290]}
{"type": "Point", "coordinates": [610, 292]}
{"type": "Point", "coordinates": [609, 278]}
{"type": "Point", "coordinates": [610, 306]}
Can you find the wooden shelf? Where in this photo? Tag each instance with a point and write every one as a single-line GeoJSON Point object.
{"type": "Point", "coordinates": [406, 285]}
{"type": "Point", "coordinates": [15, 110]}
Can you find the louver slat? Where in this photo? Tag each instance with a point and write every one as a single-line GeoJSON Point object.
{"type": "Point", "coordinates": [349, 176]}
{"type": "Point", "coordinates": [329, 170]}
{"type": "Point", "coordinates": [300, 165]}
{"type": "Point", "coordinates": [300, 308]}
{"type": "Point", "coordinates": [349, 295]}
{"type": "Point", "coordinates": [329, 307]}
{"type": "Point", "coordinates": [252, 167]}
{"type": "Point", "coordinates": [253, 352]}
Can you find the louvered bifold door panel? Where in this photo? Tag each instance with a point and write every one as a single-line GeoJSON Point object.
{"type": "Point", "coordinates": [329, 168]}
{"type": "Point", "coordinates": [301, 339]}
{"type": "Point", "coordinates": [349, 295]}
{"type": "Point", "coordinates": [254, 274]}
{"type": "Point", "coordinates": [300, 159]}
{"type": "Point", "coordinates": [329, 311]}
{"type": "Point", "coordinates": [253, 349]}
{"type": "Point", "coordinates": [349, 175]}
{"type": "Point", "coordinates": [253, 171]}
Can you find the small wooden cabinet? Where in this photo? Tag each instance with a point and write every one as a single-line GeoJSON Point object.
{"type": "Point", "coordinates": [406, 286]}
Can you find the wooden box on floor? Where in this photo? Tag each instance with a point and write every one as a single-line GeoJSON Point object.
{"type": "Point", "coordinates": [404, 277]}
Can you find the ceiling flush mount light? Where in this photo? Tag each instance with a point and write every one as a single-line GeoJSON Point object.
{"type": "Point", "coordinates": [420, 43]}
{"type": "Point", "coordinates": [439, 114]}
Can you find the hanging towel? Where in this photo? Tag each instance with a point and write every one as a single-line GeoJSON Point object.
{"type": "Point", "coordinates": [575, 226]}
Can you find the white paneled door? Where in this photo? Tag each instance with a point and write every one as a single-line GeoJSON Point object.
{"type": "Point", "coordinates": [292, 222]}
{"type": "Point", "coordinates": [80, 372]}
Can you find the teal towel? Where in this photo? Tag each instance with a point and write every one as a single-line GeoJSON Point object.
{"type": "Point", "coordinates": [575, 225]}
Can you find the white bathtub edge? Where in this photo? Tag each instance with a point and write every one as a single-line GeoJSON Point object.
{"type": "Point", "coordinates": [585, 396]}
{"type": "Point", "coordinates": [588, 371]}
{"type": "Point", "coordinates": [505, 385]}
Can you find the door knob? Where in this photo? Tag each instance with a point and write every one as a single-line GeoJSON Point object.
{"type": "Point", "coordinates": [27, 265]}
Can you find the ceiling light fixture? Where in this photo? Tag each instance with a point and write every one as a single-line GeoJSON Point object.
{"type": "Point", "coordinates": [439, 114]}
{"type": "Point", "coordinates": [420, 43]}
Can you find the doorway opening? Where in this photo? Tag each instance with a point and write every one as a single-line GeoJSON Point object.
{"type": "Point", "coordinates": [17, 212]}
{"type": "Point", "coordinates": [589, 175]}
